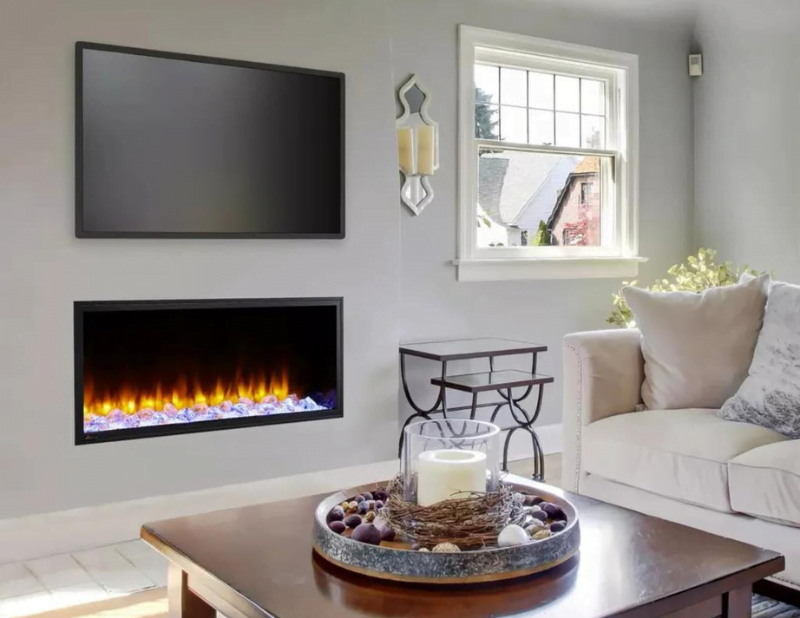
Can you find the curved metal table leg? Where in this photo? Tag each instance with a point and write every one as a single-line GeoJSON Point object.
{"type": "Point", "coordinates": [419, 412]}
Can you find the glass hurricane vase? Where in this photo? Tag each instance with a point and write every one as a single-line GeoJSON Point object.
{"type": "Point", "coordinates": [449, 459]}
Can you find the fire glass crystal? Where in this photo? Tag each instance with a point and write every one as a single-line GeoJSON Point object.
{"type": "Point", "coordinates": [199, 412]}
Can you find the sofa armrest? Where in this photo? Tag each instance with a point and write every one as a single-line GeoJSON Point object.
{"type": "Point", "coordinates": [603, 375]}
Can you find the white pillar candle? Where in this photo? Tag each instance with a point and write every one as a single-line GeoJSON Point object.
{"type": "Point", "coordinates": [449, 473]}
{"type": "Point", "coordinates": [426, 145]}
{"type": "Point", "coordinates": [405, 150]}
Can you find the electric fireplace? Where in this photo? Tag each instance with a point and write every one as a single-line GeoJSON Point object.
{"type": "Point", "coordinates": [153, 368]}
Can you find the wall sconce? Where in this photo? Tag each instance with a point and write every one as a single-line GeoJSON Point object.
{"type": "Point", "coordinates": [417, 145]}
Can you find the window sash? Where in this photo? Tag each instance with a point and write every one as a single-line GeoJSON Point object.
{"type": "Point", "coordinates": [606, 76]}
{"type": "Point", "coordinates": [610, 203]}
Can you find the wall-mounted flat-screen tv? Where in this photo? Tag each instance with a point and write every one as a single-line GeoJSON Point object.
{"type": "Point", "coordinates": [173, 145]}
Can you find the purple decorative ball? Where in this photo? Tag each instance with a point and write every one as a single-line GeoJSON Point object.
{"type": "Point", "coordinates": [387, 533]}
{"type": "Point", "coordinates": [557, 526]}
{"type": "Point", "coordinates": [335, 514]}
{"type": "Point", "coordinates": [540, 515]}
{"type": "Point", "coordinates": [359, 498]}
{"type": "Point", "coordinates": [552, 510]}
{"type": "Point", "coordinates": [368, 496]}
{"type": "Point", "coordinates": [362, 507]}
{"type": "Point", "coordinates": [367, 533]}
{"type": "Point", "coordinates": [352, 521]}
{"type": "Point", "coordinates": [337, 526]}
{"type": "Point", "coordinates": [378, 504]}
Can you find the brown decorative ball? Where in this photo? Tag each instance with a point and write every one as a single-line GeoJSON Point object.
{"type": "Point", "coordinates": [445, 548]}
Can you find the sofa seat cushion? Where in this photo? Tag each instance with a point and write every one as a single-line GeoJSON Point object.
{"type": "Point", "coordinates": [765, 482]}
{"type": "Point", "coordinates": [679, 454]}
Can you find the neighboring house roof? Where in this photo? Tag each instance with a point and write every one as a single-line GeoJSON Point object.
{"type": "Point", "coordinates": [492, 171]}
{"type": "Point", "coordinates": [542, 204]}
{"type": "Point", "coordinates": [519, 189]}
{"type": "Point", "coordinates": [589, 165]}
{"type": "Point", "coordinates": [588, 171]}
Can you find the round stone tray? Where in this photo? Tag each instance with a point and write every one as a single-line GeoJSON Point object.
{"type": "Point", "coordinates": [393, 562]}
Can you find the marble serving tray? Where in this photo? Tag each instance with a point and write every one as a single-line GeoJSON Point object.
{"type": "Point", "coordinates": [394, 561]}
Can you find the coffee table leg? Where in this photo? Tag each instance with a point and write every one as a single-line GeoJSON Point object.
{"type": "Point", "coordinates": [738, 603]}
{"type": "Point", "coordinates": [183, 603]}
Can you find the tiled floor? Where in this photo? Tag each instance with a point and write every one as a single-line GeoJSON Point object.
{"type": "Point", "coordinates": [100, 574]}
{"type": "Point", "coordinates": [56, 582]}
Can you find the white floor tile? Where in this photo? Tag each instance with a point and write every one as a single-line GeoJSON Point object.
{"type": "Point", "coordinates": [57, 572]}
{"type": "Point", "coordinates": [113, 572]}
{"type": "Point", "coordinates": [79, 595]}
{"type": "Point", "coordinates": [146, 559]}
{"type": "Point", "coordinates": [17, 581]}
{"type": "Point", "coordinates": [27, 604]}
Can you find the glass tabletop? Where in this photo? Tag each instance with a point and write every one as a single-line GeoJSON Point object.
{"type": "Point", "coordinates": [470, 348]}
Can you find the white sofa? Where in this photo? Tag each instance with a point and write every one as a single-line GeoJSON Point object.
{"type": "Point", "coordinates": [689, 466]}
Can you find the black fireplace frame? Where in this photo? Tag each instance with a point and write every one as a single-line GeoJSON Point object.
{"type": "Point", "coordinates": [82, 307]}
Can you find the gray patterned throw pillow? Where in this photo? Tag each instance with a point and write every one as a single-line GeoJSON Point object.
{"type": "Point", "coordinates": [770, 395]}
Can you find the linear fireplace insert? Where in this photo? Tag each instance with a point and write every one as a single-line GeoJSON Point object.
{"type": "Point", "coordinates": [154, 368]}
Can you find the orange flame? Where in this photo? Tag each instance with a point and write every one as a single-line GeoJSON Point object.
{"type": "Point", "coordinates": [131, 399]}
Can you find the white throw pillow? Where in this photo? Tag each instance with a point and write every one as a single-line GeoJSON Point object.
{"type": "Point", "coordinates": [770, 396]}
{"type": "Point", "coordinates": [697, 347]}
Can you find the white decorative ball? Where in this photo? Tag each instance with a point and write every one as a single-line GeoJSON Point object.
{"type": "Point", "coordinates": [512, 535]}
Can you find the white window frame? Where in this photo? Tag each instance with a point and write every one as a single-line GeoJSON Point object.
{"type": "Point", "coordinates": [620, 72]}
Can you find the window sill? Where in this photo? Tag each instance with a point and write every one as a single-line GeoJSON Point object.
{"type": "Point", "coordinates": [547, 268]}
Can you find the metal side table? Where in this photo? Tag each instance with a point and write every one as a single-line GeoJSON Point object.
{"type": "Point", "coordinates": [502, 381]}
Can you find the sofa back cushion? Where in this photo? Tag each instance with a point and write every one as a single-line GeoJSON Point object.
{"type": "Point", "coordinates": [697, 347]}
{"type": "Point", "coordinates": [770, 396]}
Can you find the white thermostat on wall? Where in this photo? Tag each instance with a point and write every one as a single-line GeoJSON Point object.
{"type": "Point", "coordinates": [695, 65]}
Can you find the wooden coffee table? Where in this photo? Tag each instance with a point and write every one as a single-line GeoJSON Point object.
{"type": "Point", "coordinates": [257, 561]}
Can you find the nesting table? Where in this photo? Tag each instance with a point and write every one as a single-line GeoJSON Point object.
{"type": "Point", "coordinates": [501, 381]}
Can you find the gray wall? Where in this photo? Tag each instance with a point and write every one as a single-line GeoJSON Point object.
{"type": "Point", "coordinates": [393, 269]}
{"type": "Point", "coordinates": [44, 268]}
{"type": "Point", "coordinates": [434, 304]}
{"type": "Point", "coordinates": [747, 119]}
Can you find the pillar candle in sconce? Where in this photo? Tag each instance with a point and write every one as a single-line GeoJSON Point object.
{"type": "Point", "coordinates": [426, 144]}
{"type": "Point", "coordinates": [406, 151]}
{"type": "Point", "coordinates": [417, 145]}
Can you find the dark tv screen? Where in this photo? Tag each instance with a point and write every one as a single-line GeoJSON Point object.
{"type": "Point", "coordinates": [188, 146]}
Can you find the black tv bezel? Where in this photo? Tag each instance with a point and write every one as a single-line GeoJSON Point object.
{"type": "Point", "coordinates": [82, 232]}
{"type": "Point", "coordinates": [82, 307]}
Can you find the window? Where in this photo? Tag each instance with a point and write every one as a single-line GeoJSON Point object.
{"type": "Point", "coordinates": [547, 163]}
{"type": "Point", "coordinates": [586, 192]}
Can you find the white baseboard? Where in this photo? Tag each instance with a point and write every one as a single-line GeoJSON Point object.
{"type": "Point", "coordinates": [36, 536]}
{"type": "Point", "coordinates": [550, 439]}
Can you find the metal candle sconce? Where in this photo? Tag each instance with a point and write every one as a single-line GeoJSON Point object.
{"type": "Point", "coordinates": [417, 145]}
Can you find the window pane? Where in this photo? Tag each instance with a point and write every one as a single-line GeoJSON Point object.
{"type": "Point", "coordinates": [541, 125]}
{"type": "Point", "coordinates": [593, 97]}
{"type": "Point", "coordinates": [486, 122]}
{"type": "Point", "coordinates": [487, 84]}
{"type": "Point", "coordinates": [567, 94]}
{"type": "Point", "coordinates": [532, 198]}
{"type": "Point", "coordinates": [513, 87]}
{"type": "Point", "coordinates": [567, 130]}
{"type": "Point", "coordinates": [593, 132]}
{"type": "Point", "coordinates": [540, 90]}
{"type": "Point", "coordinates": [513, 124]}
